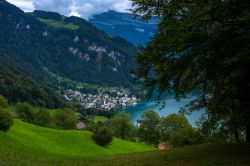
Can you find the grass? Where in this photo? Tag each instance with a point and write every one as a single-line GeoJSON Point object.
{"type": "Point", "coordinates": [26, 145]}
{"type": "Point", "coordinates": [25, 140]}
{"type": "Point", "coordinates": [97, 119]}
{"type": "Point", "coordinates": [58, 24]}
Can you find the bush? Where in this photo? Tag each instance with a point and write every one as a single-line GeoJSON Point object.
{"type": "Point", "coordinates": [25, 112]}
{"type": "Point", "coordinates": [6, 120]}
{"type": "Point", "coordinates": [102, 136]}
{"type": "Point", "coordinates": [186, 136]}
{"type": "Point", "coordinates": [43, 118]}
{"type": "Point", "coordinates": [3, 102]}
{"type": "Point", "coordinates": [65, 119]}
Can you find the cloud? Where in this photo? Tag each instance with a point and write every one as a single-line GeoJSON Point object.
{"type": "Point", "coordinates": [82, 8]}
{"type": "Point", "coordinates": [25, 5]}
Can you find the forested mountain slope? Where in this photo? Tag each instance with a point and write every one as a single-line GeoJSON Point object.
{"type": "Point", "coordinates": [69, 47]}
{"type": "Point", "coordinates": [19, 82]}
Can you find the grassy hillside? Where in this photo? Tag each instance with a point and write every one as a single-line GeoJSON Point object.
{"type": "Point", "coordinates": [31, 145]}
{"type": "Point", "coordinates": [26, 144]}
{"type": "Point", "coordinates": [26, 141]}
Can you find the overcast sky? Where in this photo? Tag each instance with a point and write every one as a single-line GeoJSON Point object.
{"type": "Point", "coordinates": [80, 8]}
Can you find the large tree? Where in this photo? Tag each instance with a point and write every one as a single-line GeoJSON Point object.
{"type": "Point", "coordinates": [202, 47]}
{"type": "Point", "coordinates": [149, 131]}
{"type": "Point", "coordinates": [121, 125]}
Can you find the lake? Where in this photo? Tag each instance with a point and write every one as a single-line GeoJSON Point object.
{"type": "Point", "coordinates": [172, 106]}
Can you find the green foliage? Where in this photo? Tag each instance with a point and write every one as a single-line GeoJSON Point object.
{"type": "Point", "coordinates": [102, 136]}
{"type": "Point", "coordinates": [121, 126]}
{"type": "Point", "coordinates": [43, 118]}
{"type": "Point", "coordinates": [202, 46]}
{"type": "Point", "coordinates": [41, 48]}
{"type": "Point", "coordinates": [20, 82]}
{"type": "Point", "coordinates": [171, 124]}
{"type": "Point", "coordinates": [25, 112]}
{"type": "Point", "coordinates": [6, 120]}
{"type": "Point", "coordinates": [3, 102]}
{"type": "Point", "coordinates": [52, 148]}
{"type": "Point", "coordinates": [65, 119]}
{"type": "Point", "coordinates": [185, 136]}
{"type": "Point", "coordinates": [149, 129]}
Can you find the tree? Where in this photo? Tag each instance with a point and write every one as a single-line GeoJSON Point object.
{"type": "Point", "coordinates": [6, 120]}
{"type": "Point", "coordinates": [65, 119]}
{"type": "Point", "coordinates": [202, 47]}
{"type": "Point", "coordinates": [121, 125]}
{"type": "Point", "coordinates": [185, 136]}
{"type": "Point", "coordinates": [43, 118]}
{"type": "Point", "coordinates": [149, 129]}
{"type": "Point", "coordinates": [25, 112]}
{"type": "Point", "coordinates": [3, 102]}
{"type": "Point", "coordinates": [171, 124]}
{"type": "Point", "coordinates": [102, 136]}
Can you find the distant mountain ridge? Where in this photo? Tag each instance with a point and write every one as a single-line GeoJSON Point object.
{"type": "Point", "coordinates": [67, 46]}
{"type": "Point", "coordinates": [126, 26]}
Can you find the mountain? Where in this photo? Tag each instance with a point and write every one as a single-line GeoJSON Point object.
{"type": "Point", "coordinates": [19, 82]}
{"type": "Point", "coordinates": [68, 47]}
{"type": "Point", "coordinates": [126, 26]}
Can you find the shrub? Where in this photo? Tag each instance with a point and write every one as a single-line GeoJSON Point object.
{"type": "Point", "coordinates": [102, 136]}
{"type": "Point", "coordinates": [186, 136]}
{"type": "Point", "coordinates": [43, 118]}
{"type": "Point", "coordinates": [25, 112]}
{"type": "Point", "coordinates": [65, 119]}
{"type": "Point", "coordinates": [3, 102]}
{"type": "Point", "coordinates": [6, 120]}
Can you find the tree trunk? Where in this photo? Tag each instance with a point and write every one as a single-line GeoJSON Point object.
{"type": "Point", "coordinates": [248, 133]}
{"type": "Point", "coordinates": [236, 134]}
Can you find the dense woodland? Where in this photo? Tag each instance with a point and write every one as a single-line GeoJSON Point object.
{"type": "Point", "coordinates": [19, 83]}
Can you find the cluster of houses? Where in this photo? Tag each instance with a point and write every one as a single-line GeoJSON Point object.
{"type": "Point", "coordinates": [117, 99]}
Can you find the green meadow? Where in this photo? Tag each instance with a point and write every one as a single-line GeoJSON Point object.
{"type": "Point", "coordinates": [58, 24]}
{"type": "Point", "coordinates": [97, 119]}
{"type": "Point", "coordinates": [26, 144]}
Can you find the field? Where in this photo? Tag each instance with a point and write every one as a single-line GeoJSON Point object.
{"type": "Point", "coordinates": [99, 119]}
{"type": "Point", "coordinates": [26, 144]}
{"type": "Point", "coordinates": [58, 24]}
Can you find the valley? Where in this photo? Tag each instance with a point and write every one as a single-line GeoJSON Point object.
{"type": "Point", "coordinates": [124, 83]}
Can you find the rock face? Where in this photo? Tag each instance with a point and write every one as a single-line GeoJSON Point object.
{"type": "Point", "coordinates": [69, 47]}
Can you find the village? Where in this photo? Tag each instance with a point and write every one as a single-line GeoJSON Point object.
{"type": "Point", "coordinates": [113, 99]}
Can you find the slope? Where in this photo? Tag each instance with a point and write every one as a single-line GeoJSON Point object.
{"type": "Point", "coordinates": [19, 83]}
{"type": "Point", "coordinates": [34, 140]}
{"type": "Point", "coordinates": [69, 47]}
{"type": "Point", "coordinates": [126, 26]}
{"type": "Point", "coordinates": [30, 145]}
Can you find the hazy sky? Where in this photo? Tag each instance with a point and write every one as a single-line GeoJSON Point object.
{"type": "Point", "coordinates": [82, 8]}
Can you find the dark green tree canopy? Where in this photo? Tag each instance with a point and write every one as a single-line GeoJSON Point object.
{"type": "Point", "coordinates": [3, 102]}
{"type": "Point", "coordinates": [202, 48]}
{"type": "Point", "coordinates": [102, 135]}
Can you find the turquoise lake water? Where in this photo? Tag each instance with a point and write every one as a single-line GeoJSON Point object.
{"type": "Point", "coordinates": [172, 106]}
